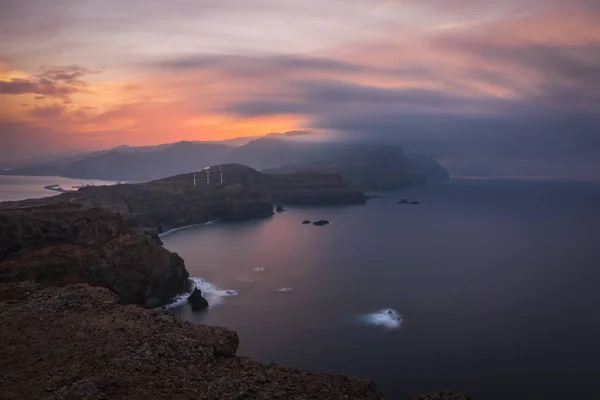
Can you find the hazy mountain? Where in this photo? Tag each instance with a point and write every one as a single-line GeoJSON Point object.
{"type": "Point", "coordinates": [364, 165]}
{"type": "Point", "coordinates": [160, 162]}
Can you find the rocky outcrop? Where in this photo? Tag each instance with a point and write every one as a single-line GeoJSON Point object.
{"type": "Point", "coordinates": [76, 342]}
{"type": "Point", "coordinates": [197, 302]}
{"type": "Point", "coordinates": [60, 244]}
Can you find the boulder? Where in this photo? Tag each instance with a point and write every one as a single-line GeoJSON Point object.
{"type": "Point", "coordinates": [196, 300]}
{"type": "Point", "coordinates": [306, 222]}
{"type": "Point", "coordinates": [321, 222]}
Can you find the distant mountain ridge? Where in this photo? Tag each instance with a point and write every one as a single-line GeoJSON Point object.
{"type": "Point", "coordinates": [367, 166]}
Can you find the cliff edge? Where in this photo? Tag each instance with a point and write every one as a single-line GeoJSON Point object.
{"type": "Point", "coordinates": [60, 244]}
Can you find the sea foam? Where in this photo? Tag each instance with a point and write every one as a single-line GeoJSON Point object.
{"type": "Point", "coordinates": [183, 228]}
{"type": "Point", "coordinates": [210, 292]}
{"type": "Point", "coordinates": [387, 318]}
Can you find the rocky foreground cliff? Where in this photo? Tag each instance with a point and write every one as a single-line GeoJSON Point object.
{"type": "Point", "coordinates": [77, 342]}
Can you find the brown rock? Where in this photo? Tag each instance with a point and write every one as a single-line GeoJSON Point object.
{"type": "Point", "coordinates": [60, 244]}
{"type": "Point", "coordinates": [77, 342]}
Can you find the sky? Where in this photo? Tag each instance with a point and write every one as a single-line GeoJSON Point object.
{"type": "Point", "coordinates": [506, 87]}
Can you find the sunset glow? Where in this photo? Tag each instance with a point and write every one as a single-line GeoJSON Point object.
{"type": "Point", "coordinates": [80, 75]}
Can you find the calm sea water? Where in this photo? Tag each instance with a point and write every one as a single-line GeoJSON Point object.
{"type": "Point", "coordinates": [496, 284]}
{"type": "Point", "coordinates": [32, 187]}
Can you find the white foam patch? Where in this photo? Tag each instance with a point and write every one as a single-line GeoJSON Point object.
{"type": "Point", "coordinates": [387, 318]}
{"type": "Point", "coordinates": [259, 269]}
{"type": "Point", "coordinates": [210, 292]}
{"type": "Point", "coordinates": [183, 228]}
{"type": "Point", "coordinates": [284, 289]}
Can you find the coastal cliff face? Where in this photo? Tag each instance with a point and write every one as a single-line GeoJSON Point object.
{"type": "Point", "coordinates": [76, 342]}
{"type": "Point", "coordinates": [60, 244]}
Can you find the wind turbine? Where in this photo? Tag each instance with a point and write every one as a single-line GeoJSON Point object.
{"type": "Point", "coordinates": [207, 169]}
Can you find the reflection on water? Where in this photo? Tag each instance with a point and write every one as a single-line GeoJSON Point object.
{"type": "Point", "coordinates": [492, 288]}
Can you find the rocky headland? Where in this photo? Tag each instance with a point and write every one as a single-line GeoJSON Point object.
{"type": "Point", "coordinates": [224, 192]}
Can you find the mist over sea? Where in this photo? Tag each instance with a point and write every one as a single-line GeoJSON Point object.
{"type": "Point", "coordinates": [487, 287]}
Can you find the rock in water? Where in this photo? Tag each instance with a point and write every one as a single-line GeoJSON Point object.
{"type": "Point", "coordinates": [321, 222]}
{"type": "Point", "coordinates": [279, 208]}
{"type": "Point", "coordinates": [306, 222]}
{"type": "Point", "coordinates": [196, 300]}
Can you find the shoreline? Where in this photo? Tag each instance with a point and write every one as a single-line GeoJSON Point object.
{"type": "Point", "coordinates": [186, 227]}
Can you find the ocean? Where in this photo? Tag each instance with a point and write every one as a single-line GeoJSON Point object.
{"type": "Point", "coordinates": [488, 287]}
{"type": "Point", "coordinates": [14, 187]}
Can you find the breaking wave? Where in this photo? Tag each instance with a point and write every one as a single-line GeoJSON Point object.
{"type": "Point", "coordinates": [210, 292]}
{"type": "Point", "coordinates": [387, 318]}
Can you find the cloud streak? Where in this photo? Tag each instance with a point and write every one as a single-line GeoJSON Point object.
{"type": "Point", "coordinates": [54, 81]}
{"type": "Point", "coordinates": [478, 84]}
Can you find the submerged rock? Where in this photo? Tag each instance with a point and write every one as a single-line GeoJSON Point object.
{"type": "Point", "coordinates": [196, 300]}
{"type": "Point", "coordinates": [321, 222]}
